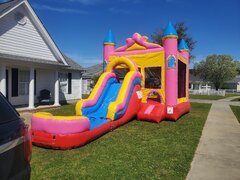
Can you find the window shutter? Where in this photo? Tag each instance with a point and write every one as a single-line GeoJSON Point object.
{"type": "Point", "coordinates": [35, 82]}
{"type": "Point", "coordinates": [14, 82]}
{"type": "Point", "coordinates": [69, 83]}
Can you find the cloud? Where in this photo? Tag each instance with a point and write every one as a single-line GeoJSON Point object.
{"type": "Point", "coordinates": [58, 9]}
{"type": "Point", "coordinates": [118, 11]}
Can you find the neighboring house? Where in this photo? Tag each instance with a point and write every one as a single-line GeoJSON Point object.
{"type": "Point", "coordinates": [195, 82]}
{"type": "Point", "coordinates": [30, 61]}
{"type": "Point", "coordinates": [233, 85]}
{"type": "Point", "coordinates": [88, 75]}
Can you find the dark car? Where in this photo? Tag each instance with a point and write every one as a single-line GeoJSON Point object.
{"type": "Point", "coordinates": [15, 143]}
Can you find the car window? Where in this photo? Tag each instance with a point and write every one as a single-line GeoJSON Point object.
{"type": "Point", "coordinates": [7, 111]}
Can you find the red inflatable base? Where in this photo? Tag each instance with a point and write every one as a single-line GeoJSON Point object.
{"type": "Point", "coordinates": [178, 111]}
{"type": "Point", "coordinates": [156, 112]}
{"type": "Point", "coordinates": [68, 141]}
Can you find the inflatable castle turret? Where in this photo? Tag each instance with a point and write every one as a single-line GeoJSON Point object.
{"type": "Point", "coordinates": [109, 46]}
{"type": "Point", "coordinates": [183, 49]}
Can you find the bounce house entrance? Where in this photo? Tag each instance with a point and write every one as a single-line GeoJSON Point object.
{"type": "Point", "coordinates": [153, 110]}
{"type": "Point", "coordinates": [154, 96]}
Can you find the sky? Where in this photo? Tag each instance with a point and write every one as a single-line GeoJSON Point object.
{"type": "Point", "coordinates": [79, 27]}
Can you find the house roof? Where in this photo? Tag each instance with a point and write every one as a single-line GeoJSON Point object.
{"type": "Point", "coordinates": [65, 61]}
{"type": "Point", "coordinates": [95, 70]}
{"type": "Point", "coordinates": [194, 78]}
{"type": "Point", "coordinates": [9, 6]}
{"type": "Point", "coordinates": [235, 80]}
{"type": "Point", "coordinates": [4, 7]}
{"type": "Point", "coordinates": [72, 64]}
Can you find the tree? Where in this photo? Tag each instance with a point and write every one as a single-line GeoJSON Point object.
{"type": "Point", "coordinates": [94, 80]}
{"type": "Point", "coordinates": [216, 69]}
{"type": "Point", "coordinates": [238, 66]}
{"type": "Point", "coordinates": [181, 29]}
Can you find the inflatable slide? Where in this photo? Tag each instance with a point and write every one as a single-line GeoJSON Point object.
{"type": "Point", "coordinates": [110, 105]}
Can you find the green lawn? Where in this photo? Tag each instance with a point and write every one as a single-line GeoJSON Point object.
{"type": "Point", "coordinates": [207, 97]}
{"type": "Point", "coordinates": [232, 94]}
{"type": "Point", "coordinates": [236, 111]}
{"type": "Point", "coordinates": [137, 150]}
{"type": "Point", "coordinates": [237, 99]}
{"type": "Point", "coordinates": [213, 97]}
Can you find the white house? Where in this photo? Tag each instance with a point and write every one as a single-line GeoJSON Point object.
{"type": "Point", "coordinates": [88, 75]}
{"type": "Point", "coordinates": [30, 61]}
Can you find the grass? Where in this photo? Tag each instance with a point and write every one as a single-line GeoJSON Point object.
{"type": "Point", "coordinates": [207, 97]}
{"type": "Point", "coordinates": [137, 150]}
{"type": "Point", "coordinates": [213, 97]}
{"type": "Point", "coordinates": [236, 111]}
{"type": "Point", "coordinates": [236, 99]}
{"type": "Point", "coordinates": [232, 94]}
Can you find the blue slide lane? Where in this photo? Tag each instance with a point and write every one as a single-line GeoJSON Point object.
{"type": "Point", "coordinates": [97, 114]}
{"type": "Point", "coordinates": [98, 117]}
{"type": "Point", "coordinates": [123, 111]}
{"type": "Point", "coordinates": [88, 110]}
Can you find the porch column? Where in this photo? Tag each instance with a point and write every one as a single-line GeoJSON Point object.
{"type": "Point", "coordinates": [192, 86]}
{"type": "Point", "coordinates": [3, 79]}
{"type": "Point", "coordinates": [81, 87]}
{"type": "Point", "coordinates": [56, 90]}
{"type": "Point", "coordinates": [31, 89]}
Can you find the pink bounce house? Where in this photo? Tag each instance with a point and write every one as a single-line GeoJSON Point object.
{"type": "Point", "coordinates": [164, 69]}
{"type": "Point", "coordinates": [141, 79]}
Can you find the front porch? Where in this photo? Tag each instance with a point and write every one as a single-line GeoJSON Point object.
{"type": "Point", "coordinates": [21, 85]}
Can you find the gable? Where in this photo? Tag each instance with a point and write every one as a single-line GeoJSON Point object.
{"type": "Point", "coordinates": [22, 38]}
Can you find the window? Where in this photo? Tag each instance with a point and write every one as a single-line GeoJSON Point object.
{"type": "Point", "coordinates": [63, 81]}
{"type": "Point", "coordinates": [153, 77]}
{"type": "Point", "coordinates": [23, 82]}
{"type": "Point", "coordinates": [181, 79]}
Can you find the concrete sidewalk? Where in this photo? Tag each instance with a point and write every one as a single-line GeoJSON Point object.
{"type": "Point", "coordinates": [218, 152]}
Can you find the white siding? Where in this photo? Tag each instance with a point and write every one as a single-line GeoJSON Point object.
{"type": "Point", "coordinates": [22, 40]}
{"type": "Point", "coordinates": [76, 88]}
{"type": "Point", "coordinates": [86, 89]}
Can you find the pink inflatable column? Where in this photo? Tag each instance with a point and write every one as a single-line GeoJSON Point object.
{"type": "Point", "coordinates": [184, 52]}
{"type": "Point", "coordinates": [171, 62]}
{"type": "Point", "coordinates": [108, 46]}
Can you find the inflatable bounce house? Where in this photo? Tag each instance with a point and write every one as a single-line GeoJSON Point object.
{"type": "Point", "coordinates": [154, 88]}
